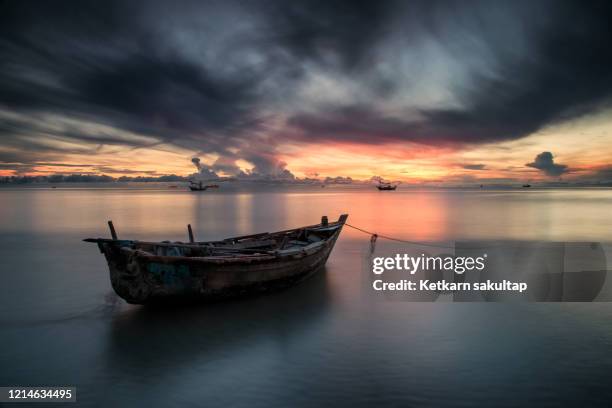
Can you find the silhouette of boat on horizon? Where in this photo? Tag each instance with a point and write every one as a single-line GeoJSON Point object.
{"type": "Point", "coordinates": [384, 186]}
{"type": "Point", "coordinates": [199, 186]}
{"type": "Point", "coordinates": [150, 272]}
{"type": "Point", "coordinates": [526, 185]}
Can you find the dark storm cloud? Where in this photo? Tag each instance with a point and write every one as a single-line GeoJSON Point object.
{"type": "Point", "coordinates": [552, 64]}
{"type": "Point", "coordinates": [88, 60]}
{"type": "Point", "coordinates": [320, 30]}
{"type": "Point", "coordinates": [546, 163]}
{"type": "Point", "coordinates": [239, 78]}
{"type": "Point", "coordinates": [100, 64]}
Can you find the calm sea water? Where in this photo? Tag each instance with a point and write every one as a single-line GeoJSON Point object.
{"type": "Point", "coordinates": [325, 341]}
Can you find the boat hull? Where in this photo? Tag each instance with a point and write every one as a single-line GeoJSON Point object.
{"type": "Point", "coordinates": [140, 277]}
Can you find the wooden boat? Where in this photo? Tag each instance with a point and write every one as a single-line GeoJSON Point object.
{"type": "Point", "coordinates": [386, 187]}
{"type": "Point", "coordinates": [147, 272]}
{"type": "Point", "coordinates": [197, 186]}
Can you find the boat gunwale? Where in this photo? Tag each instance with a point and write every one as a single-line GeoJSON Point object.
{"type": "Point", "coordinates": [238, 256]}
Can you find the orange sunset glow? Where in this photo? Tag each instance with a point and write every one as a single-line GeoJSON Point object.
{"type": "Point", "coordinates": [496, 104]}
{"type": "Point", "coordinates": [406, 162]}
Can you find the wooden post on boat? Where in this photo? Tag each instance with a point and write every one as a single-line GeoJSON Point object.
{"type": "Point", "coordinates": [191, 240]}
{"type": "Point", "coordinates": [112, 230]}
{"type": "Point", "coordinates": [324, 221]}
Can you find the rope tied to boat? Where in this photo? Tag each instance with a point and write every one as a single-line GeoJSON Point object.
{"type": "Point", "coordinates": [374, 237]}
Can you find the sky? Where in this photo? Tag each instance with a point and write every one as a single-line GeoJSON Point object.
{"type": "Point", "coordinates": [414, 91]}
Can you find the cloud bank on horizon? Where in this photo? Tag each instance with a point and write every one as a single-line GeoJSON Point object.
{"type": "Point", "coordinates": [247, 86]}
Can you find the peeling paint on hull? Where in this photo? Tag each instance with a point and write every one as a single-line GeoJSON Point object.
{"type": "Point", "coordinates": [141, 277]}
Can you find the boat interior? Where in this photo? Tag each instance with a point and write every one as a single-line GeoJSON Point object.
{"type": "Point", "coordinates": [259, 244]}
{"type": "Point", "coordinates": [275, 243]}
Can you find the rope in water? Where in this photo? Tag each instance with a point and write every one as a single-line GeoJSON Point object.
{"type": "Point", "coordinates": [375, 236]}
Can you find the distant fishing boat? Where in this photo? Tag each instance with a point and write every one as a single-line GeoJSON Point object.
{"type": "Point", "coordinates": [148, 272]}
{"type": "Point", "coordinates": [199, 186]}
{"type": "Point", "coordinates": [383, 186]}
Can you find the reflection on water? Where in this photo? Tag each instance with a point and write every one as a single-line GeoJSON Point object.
{"type": "Point", "coordinates": [325, 341]}
{"type": "Point", "coordinates": [546, 271]}
{"type": "Point", "coordinates": [222, 329]}
{"type": "Point", "coordinates": [560, 215]}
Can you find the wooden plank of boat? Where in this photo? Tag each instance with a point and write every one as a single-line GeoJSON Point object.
{"type": "Point", "coordinates": [146, 272]}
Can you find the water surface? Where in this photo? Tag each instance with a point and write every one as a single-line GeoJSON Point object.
{"type": "Point", "coordinates": [326, 341]}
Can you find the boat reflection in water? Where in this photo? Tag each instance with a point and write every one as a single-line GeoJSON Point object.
{"type": "Point", "coordinates": [205, 333]}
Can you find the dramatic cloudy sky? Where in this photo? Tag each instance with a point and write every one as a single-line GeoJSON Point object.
{"type": "Point", "coordinates": [417, 91]}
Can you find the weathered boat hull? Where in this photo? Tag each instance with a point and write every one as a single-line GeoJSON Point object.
{"type": "Point", "coordinates": [141, 277]}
